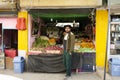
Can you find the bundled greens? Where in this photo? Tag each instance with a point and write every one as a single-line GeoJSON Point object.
{"type": "Point", "coordinates": [39, 43]}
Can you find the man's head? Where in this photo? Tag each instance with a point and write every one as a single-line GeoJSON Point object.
{"type": "Point", "coordinates": [67, 28]}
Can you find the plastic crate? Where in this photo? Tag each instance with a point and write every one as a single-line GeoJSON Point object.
{"type": "Point", "coordinates": [88, 68]}
{"type": "Point", "coordinates": [89, 59]}
{"type": "Point", "coordinates": [114, 66]}
{"type": "Point", "coordinates": [19, 64]}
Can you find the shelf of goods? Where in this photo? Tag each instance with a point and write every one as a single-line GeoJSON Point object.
{"type": "Point", "coordinates": [115, 22]}
{"type": "Point", "coordinates": [115, 38]}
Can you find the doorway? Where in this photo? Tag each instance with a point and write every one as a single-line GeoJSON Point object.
{"type": "Point", "coordinates": [0, 37]}
{"type": "Point", "coordinates": [10, 42]}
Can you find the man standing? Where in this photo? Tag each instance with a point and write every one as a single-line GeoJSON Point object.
{"type": "Point", "coordinates": [68, 43]}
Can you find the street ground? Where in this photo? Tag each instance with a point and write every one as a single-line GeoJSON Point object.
{"type": "Point", "coordinates": [98, 75]}
{"type": "Point", "coordinates": [51, 76]}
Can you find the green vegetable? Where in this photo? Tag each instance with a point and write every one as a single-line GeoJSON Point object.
{"type": "Point", "coordinates": [39, 42]}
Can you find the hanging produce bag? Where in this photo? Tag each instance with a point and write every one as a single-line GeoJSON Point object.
{"type": "Point", "coordinates": [21, 24]}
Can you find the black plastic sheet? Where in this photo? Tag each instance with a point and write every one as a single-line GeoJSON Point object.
{"type": "Point", "coordinates": [76, 60]}
{"type": "Point", "coordinates": [54, 62]}
{"type": "Point", "coordinates": [45, 63]}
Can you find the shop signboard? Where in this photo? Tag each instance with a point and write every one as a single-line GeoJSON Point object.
{"type": "Point", "coordinates": [114, 2]}
{"type": "Point", "coordinates": [62, 3]}
{"type": "Point", "coordinates": [114, 6]}
{"type": "Point", "coordinates": [2, 61]}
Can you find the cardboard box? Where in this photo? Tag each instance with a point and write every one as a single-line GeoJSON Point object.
{"type": "Point", "coordinates": [2, 62]}
{"type": "Point", "coordinates": [9, 63]}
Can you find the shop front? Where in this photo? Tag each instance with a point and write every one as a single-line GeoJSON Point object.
{"type": "Point", "coordinates": [41, 40]}
{"type": "Point", "coordinates": [33, 28]}
{"type": "Point", "coordinates": [46, 36]}
{"type": "Point", "coordinates": [100, 46]}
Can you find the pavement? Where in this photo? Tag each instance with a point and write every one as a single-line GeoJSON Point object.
{"type": "Point", "coordinates": [50, 76]}
{"type": "Point", "coordinates": [98, 75]}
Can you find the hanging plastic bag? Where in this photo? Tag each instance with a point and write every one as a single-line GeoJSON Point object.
{"type": "Point", "coordinates": [21, 24]}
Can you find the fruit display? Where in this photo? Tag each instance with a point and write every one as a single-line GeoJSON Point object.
{"type": "Point", "coordinates": [84, 45]}
{"type": "Point", "coordinates": [53, 49]}
{"type": "Point", "coordinates": [85, 50]}
{"type": "Point", "coordinates": [87, 45]}
{"type": "Point", "coordinates": [52, 41]}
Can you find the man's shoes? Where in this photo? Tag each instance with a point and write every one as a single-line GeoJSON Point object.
{"type": "Point", "coordinates": [67, 78]}
{"type": "Point", "coordinates": [68, 75]}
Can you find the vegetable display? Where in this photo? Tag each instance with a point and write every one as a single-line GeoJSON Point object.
{"type": "Point", "coordinates": [45, 45]}
{"type": "Point", "coordinates": [40, 43]}
{"type": "Point", "coordinates": [53, 50]}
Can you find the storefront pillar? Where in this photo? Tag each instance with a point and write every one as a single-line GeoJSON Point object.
{"type": "Point", "coordinates": [101, 36]}
{"type": "Point", "coordinates": [23, 35]}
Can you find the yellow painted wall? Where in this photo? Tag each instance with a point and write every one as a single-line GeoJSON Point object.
{"type": "Point", "coordinates": [101, 36]}
{"type": "Point", "coordinates": [23, 34]}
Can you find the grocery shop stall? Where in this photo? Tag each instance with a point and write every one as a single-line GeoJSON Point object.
{"type": "Point", "coordinates": [46, 28]}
